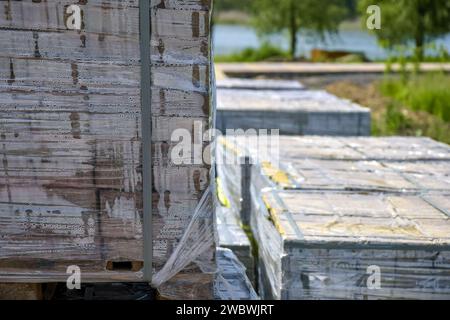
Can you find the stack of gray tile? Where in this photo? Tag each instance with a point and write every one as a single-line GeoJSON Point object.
{"type": "Point", "coordinates": [230, 226]}
{"type": "Point", "coordinates": [232, 236]}
{"type": "Point", "coordinates": [351, 218]}
{"type": "Point", "coordinates": [231, 281]}
{"type": "Point", "coordinates": [284, 105]}
{"type": "Point", "coordinates": [258, 84]}
{"type": "Point", "coordinates": [72, 143]}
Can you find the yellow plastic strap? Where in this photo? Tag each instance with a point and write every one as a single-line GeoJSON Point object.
{"type": "Point", "coordinates": [221, 194]}
{"type": "Point", "coordinates": [276, 175]}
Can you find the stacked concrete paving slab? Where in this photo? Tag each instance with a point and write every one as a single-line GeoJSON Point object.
{"type": "Point", "coordinates": [285, 105]}
{"type": "Point", "coordinates": [71, 181]}
{"type": "Point", "coordinates": [333, 211]}
{"type": "Point", "coordinates": [231, 235]}
{"type": "Point", "coordinates": [232, 282]}
{"type": "Point", "coordinates": [276, 104]}
{"type": "Point", "coordinates": [230, 225]}
{"type": "Point", "coordinates": [258, 84]}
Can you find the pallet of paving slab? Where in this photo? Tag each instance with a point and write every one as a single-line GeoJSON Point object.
{"type": "Point", "coordinates": [324, 245]}
{"type": "Point", "coordinates": [334, 201]}
{"type": "Point", "coordinates": [414, 165]}
{"type": "Point", "coordinates": [70, 135]}
{"type": "Point", "coordinates": [293, 112]}
{"type": "Point", "coordinates": [231, 281]}
{"type": "Point", "coordinates": [231, 235]}
{"type": "Point", "coordinates": [258, 84]}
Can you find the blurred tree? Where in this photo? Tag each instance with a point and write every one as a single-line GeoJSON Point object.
{"type": "Point", "coordinates": [237, 5]}
{"type": "Point", "coordinates": [317, 16]}
{"type": "Point", "coordinates": [221, 6]}
{"type": "Point", "coordinates": [352, 6]}
{"type": "Point", "coordinates": [403, 21]}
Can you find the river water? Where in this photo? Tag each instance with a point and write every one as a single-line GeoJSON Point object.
{"type": "Point", "coordinates": [233, 38]}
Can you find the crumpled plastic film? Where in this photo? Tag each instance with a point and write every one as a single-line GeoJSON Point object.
{"type": "Point", "coordinates": [197, 246]}
{"type": "Point", "coordinates": [270, 246]}
{"type": "Point", "coordinates": [196, 241]}
{"type": "Point", "coordinates": [261, 220]}
{"type": "Point", "coordinates": [228, 179]}
{"type": "Point", "coordinates": [232, 282]}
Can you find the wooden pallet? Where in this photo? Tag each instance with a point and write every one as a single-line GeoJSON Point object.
{"type": "Point", "coordinates": [27, 291]}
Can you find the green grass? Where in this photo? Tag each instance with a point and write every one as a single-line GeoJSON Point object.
{"type": "Point", "coordinates": [266, 52]}
{"type": "Point", "coordinates": [438, 58]}
{"type": "Point", "coordinates": [411, 105]}
{"type": "Point", "coordinates": [417, 105]}
{"type": "Point", "coordinates": [405, 54]}
{"type": "Point", "coordinates": [429, 93]}
{"type": "Point", "coordinates": [397, 120]}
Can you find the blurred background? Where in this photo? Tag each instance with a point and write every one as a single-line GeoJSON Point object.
{"type": "Point", "coordinates": [334, 31]}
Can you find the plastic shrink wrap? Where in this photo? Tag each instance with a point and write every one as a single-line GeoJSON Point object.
{"type": "Point", "coordinates": [330, 215]}
{"type": "Point", "coordinates": [270, 105]}
{"type": "Point", "coordinates": [232, 282]}
{"type": "Point", "coordinates": [71, 189]}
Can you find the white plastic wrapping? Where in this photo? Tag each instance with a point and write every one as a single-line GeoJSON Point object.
{"type": "Point", "coordinates": [292, 111]}
{"type": "Point", "coordinates": [327, 210]}
{"type": "Point", "coordinates": [194, 245]}
{"type": "Point", "coordinates": [71, 182]}
{"type": "Point", "coordinates": [232, 282]}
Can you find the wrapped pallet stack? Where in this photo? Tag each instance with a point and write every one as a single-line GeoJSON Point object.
{"type": "Point", "coordinates": [345, 218]}
{"type": "Point", "coordinates": [90, 94]}
{"type": "Point", "coordinates": [289, 107]}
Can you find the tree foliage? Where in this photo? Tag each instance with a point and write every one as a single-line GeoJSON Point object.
{"type": "Point", "coordinates": [232, 5]}
{"type": "Point", "coordinates": [317, 16]}
{"type": "Point", "coordinates": [410, 21]}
